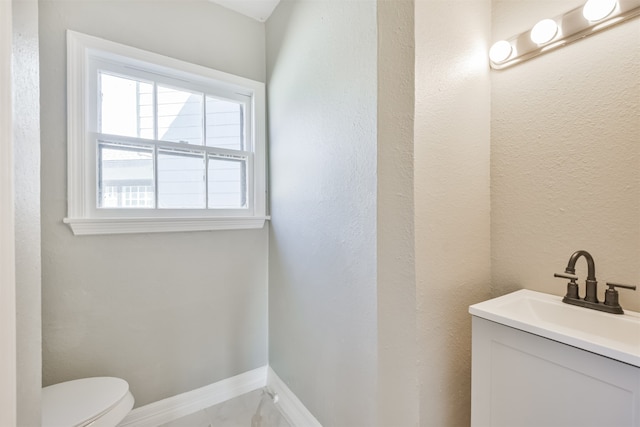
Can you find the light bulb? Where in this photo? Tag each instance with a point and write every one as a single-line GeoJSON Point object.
{"type": "Point", "coordinates": [544, 31]}
{"type": "Point", "coordinates": [500, 51]}
{"type": "Point", "coordinates": [596, 10]}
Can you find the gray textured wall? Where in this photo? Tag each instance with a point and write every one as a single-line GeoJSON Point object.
{"type": "Point", "coordinates": [168, 312]}
{"type": "Point", "coordinates": [26, 134]}
{"type": "Point", "coordinates": [397, 380]}
{"type": "Point", "coordinates": [321, 60]}
{"type": "Point", "coordinates": [7, 225]}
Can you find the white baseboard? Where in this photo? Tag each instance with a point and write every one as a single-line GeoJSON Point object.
{"type": "Point", "coordinates": [290, 406]}
{"type": "Point", "coordinates": [172, 408]}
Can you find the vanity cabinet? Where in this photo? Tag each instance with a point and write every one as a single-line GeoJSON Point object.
{"type": "Point", "coordinates": [520, 379]}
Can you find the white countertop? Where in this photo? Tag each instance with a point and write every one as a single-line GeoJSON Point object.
{"type": "Point", "coordinates": [612, 335]}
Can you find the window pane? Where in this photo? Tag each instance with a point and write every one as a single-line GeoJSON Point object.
{"type": "Point", "coordinates": [146, 119]}
{"type": "Point", "coordinates": [179, 116]}
{"type": "Point", "coordinates": [126, 107]}
{"type": "Point", "coordinates": [227, 183]}
{"type": "Point", "coordinates": [180, 180]}
{"type": "Point", "coordinates": [225, 124]}
{"type": "Point", "coordinates": [125, 176]}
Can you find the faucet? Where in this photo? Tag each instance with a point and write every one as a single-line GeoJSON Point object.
{"type": "Point", "coordinates": [590, 300]}
{"type": "Point", "coordinates": [592, 284]}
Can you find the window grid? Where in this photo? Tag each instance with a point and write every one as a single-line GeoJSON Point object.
{"type": "Point", "coordinates": [202, 149]}
{"type": "Point", "coordinates": [208, 153]}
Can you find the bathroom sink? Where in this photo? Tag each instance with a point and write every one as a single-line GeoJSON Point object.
{"type": "Point", "coordinates": [612, 335]}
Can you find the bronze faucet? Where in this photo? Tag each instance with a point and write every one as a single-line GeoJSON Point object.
{"type": "Point", "coordinates": [592, 284]}
{"type": "Point", "coordinates": [590, 300]}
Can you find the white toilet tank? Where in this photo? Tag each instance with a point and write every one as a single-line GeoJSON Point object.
{"type": "Point", "coordinates": [99, 402]}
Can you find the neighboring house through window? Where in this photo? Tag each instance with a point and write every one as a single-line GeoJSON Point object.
{"type": "Point", "coordinates": [157, 144]}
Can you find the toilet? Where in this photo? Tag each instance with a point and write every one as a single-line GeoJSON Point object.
{"type": "Point", "coordinates": [94, 402]}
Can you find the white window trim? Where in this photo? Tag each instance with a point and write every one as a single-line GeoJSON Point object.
{"type": "Point", "coordinates": [81, 217]}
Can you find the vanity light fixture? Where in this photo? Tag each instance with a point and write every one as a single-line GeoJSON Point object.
{"type": "Point", "coordinates": [549, 34]}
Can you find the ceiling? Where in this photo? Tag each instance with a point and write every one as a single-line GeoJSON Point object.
{"type": "Point", "coordinates": [259, 10]}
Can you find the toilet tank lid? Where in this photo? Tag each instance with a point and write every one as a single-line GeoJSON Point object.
{"type": "Point", "coordinates": [74, 403]}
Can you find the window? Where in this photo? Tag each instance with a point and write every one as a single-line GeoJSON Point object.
{"type": "Point", "coordinates": [157, 144]}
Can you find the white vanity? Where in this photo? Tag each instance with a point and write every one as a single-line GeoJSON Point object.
{"type": "Point", "coordinates": [538, 362]}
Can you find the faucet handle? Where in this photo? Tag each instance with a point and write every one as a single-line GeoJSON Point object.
{"type": "Point", "coordinates": [611, 295]}
{"type": "Point", "coordinates": [572, 286]}
{"type": "Point", "coordinates": [571, 277]}
{"type": "Point", "coordinates": [617, 285]}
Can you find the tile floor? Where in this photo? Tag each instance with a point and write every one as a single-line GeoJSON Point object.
{"type": "Point", "coordinates": [254, 409]}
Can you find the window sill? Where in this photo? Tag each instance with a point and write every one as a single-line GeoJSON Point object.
{"type": "Point", "coordinates": [94, 226]}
